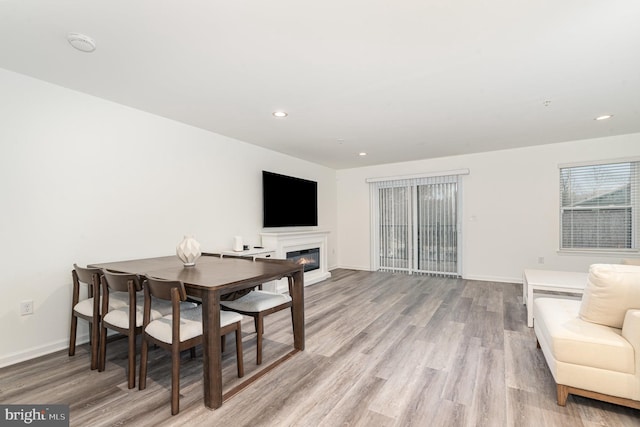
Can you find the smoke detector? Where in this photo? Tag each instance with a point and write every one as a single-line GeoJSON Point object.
{"type": "Point", "coordinates": [81, 42]}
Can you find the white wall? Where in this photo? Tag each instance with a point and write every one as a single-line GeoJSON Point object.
{"type": "Point", "coordinates": [510, 206]}
{"type": "Point", "coordinates": [86, 180]}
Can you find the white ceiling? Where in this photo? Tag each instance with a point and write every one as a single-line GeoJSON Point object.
{"type": "Point", "coordinates": [400, 80]}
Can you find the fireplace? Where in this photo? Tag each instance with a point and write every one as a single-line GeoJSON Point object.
{"type": "Point", "coordinates": [309, 258]}
{"type": "Point", "coordinates": [308, 244]}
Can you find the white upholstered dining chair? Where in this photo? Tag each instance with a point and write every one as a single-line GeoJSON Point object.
{"type": "Point", "coordinates": [179, 330]}
{"type": "Point", "coordinates": [87, 309]}
{"type": "Point", "coordinates": [258, 304]}
{"type": "Point", "coordinates": [126, 319]}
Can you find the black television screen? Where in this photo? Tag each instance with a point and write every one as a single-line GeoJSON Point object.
{"type": "Point", "coordinates": [288, 201]}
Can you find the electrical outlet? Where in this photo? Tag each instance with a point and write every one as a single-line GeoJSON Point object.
{"type": "Point", "coordinates": [26, 307]}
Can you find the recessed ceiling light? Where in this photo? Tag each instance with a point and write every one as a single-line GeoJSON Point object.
{"type": "Point", "coordinates": [279, 114]}
{"type": "Point", "coordinates": [604, 117]}
{"type": "Point", "coordinates": [81, 42]}
{"type": "Point", "coordinates": [362, 154]}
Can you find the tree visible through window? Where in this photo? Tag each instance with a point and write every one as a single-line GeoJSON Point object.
{"type": "Point", "coordinates": [599, 206]}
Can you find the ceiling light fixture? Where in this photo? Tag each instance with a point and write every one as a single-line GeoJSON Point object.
{"type": "Point", "coordinates": [604, 117]}
{"type": "Point", "coordinates": [362, 154]}
{"type": "Point", "coordinates": [279, 114]}
{"type": "Point", "coordinates": [81, 42]}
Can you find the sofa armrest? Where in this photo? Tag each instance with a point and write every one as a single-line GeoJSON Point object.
{"type": "Point", "coordinates": [631, 329]}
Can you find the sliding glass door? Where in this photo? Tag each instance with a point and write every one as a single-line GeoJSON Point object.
{"type": "Point", "coordinates": [415, 225]}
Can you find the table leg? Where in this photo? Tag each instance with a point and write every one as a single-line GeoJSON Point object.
{"type": "Point", "coordinates": [297, 309]}
{"type": "Point", "coordinates": [530, 306]}
{"type": "Point", "coordinates": [212, 358]}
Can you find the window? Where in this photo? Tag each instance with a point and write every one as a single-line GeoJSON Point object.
{"type": "Point", "coordinates": [599, 207]}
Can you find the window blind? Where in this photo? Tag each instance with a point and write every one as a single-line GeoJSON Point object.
{"type": "Point", "coordinates": [599, 207]}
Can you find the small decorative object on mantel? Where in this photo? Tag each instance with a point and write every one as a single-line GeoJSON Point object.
{"type": "Point", "coordinates": [188, 251]}
{"type": "Point", "coordinates": [237, 245]}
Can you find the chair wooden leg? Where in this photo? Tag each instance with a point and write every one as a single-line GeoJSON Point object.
{"type": "Point", "coordinates": [223, 343]}
{"type": "Point", "coordinates": [72, 335]}
{"type": "Point", "coordinates": [175, 379]}
{"type": "Point", "coordinates": [239, 357]}
{"type": "Point", "coordinates": [259, 331]}
{"type": "Point", "coordinates": [95, 346]}
{"type": "Point", "coordinates": [103, 349]}
{"type": "Point", "coordinates": [144, 359]}
{"type": "Point", "coordinates": [562, 393]}
{"type": "Point", "coordinates": [192, 352]}
{"type": "Point", "coordinates": [292, 321]}
{"type": "Point", "coordinates": [132, 360]}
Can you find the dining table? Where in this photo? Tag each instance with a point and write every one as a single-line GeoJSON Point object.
{"type": "Point", "coordinates": [209, 279]}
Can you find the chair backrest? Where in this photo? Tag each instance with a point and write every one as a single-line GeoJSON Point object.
{"type": "Point", "coordinates": [162, 289]}
{"type": "Point", "coordinates": [171, 290]}
{"type": "Point", "coordinates": [86, 275]}
{"type": "Point", "coordinates": [90, 276]}
{"type": "Point", "coordinates": [121, 282]}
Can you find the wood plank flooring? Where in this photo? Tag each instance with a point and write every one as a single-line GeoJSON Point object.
{"type": "Point", "coordinates": [381, 350]}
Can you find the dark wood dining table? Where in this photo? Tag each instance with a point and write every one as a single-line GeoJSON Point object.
{"type": "Point", "coordinates": [209, 279]}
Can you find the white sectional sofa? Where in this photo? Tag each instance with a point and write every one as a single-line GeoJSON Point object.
{"type": "Point", "coordinates": [592, 346]}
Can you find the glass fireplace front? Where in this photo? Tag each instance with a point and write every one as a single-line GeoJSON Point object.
{"type": "Point", "coordinates": [309, 258]}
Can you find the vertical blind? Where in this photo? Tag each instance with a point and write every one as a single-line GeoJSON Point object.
{"type": "Point", "coordinates": [599, 207]}
{"type": "Point", "coordinates": [436, 236]}
{"type": "Point", "coordinates": [394, 227]}
{"type": "Point", "coordinates": [415, 225]}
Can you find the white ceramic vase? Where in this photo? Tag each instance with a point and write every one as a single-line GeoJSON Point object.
{"type": "Point", "coordinates": [188, 251]}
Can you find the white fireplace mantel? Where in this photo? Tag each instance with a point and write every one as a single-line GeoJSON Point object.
{"type": "Point", "coordinates": [290, 241]}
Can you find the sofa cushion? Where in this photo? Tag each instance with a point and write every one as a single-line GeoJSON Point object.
{"type": "Point", "coordinates": [611, 290]}
{"type": "Point", "coordinates": [572, 340]}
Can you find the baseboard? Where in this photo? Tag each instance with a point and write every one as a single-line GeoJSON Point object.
{"type": "Point", "coordinates": [494, 279]}
{"type": "Point", "coordinates": [317, 278]}
{"type": "Point", "coordinates": [351, 267]}
{"type": "Point", "coordinates": [42, 350]}
{"type": "Point", "coordinates": [479, 278]}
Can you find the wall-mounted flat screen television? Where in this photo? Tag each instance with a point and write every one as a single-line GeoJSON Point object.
{"type": "Point", "coordinates": [288, 201]}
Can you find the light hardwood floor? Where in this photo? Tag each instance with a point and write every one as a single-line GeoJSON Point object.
{"type": "Point", "coordinates": [381, 350]}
